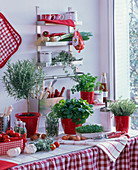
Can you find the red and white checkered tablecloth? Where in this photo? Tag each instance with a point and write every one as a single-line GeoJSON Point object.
{"type": "Point", "coordinates": [89, 159]}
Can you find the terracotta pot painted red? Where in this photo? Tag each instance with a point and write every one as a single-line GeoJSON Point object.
{"type": "Point", "coordinates": [89, 96]}
{"type": "Point", "coordinates": [122, 123]}
{"type": "Point", "coordinates": [32, 122]}
{"type": "Point", "coordinates": [69, 126]}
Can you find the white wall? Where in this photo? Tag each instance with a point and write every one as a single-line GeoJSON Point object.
{"type": "Point", "coordinates": [22, 16]}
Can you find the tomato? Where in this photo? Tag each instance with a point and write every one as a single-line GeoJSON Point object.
{"type": "Point", "coordinates": [14, 138]}
{"type": "Point", "coordinates": [53, 147]}
{"type": "Point", "coordinates": [6, 140]}
{"type": "Point", "coordinates": [17, 134]}
{"type": "Point", "coordinates": [57, 144]}
{"type": "Point", "coordinates": [10, 132]}
{"type": "Point", "coordinates": [0, 137]}
{"type": "Point", "coordinates": [5, 137]}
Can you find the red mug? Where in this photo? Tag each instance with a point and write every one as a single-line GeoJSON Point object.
{"type": "Point", "coordinates": [46, 16]}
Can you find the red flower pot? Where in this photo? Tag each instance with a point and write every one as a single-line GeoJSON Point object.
{"type": "Point", "coordinates": [89, 96]}
{"type": "Point", "coordinates": [122, 123]}
{"type": "Point", "coordinates": [69, 126]}
{"type": "Point", "coordinates": [32, 122]}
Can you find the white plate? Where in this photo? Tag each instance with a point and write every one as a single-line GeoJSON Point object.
{"type": "Point", "coordinates": [97, 135]}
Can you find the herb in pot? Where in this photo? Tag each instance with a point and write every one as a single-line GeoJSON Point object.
{"type": "Point", "coordinates": [52, 124]}
{"type": "Point", "coordinates": [76, 109]}
{"type": "Point", "coordinates": [89, 129]}
{"type": "Point", "coordinates": [85, 83]}
{"type": "Point", "coordinates": [122, 107]}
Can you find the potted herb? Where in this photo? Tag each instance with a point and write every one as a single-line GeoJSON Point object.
{"type": "Point", "coordinates": [66, 59]}
{"type": "Point", "coordinates": [52, 125]}
{"type": "Point", "coordinates": [21, 79]}
{"type": "Point", "coordinates": [73, 113]}
{"type": "Point", "coordinates": [122, 109]}
{"type": "Point", "coordinates": [86, 84]}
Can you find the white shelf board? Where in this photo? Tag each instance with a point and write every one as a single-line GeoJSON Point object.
{"type": "Point", "coordinates": [42, 23]}
{"type": "Point", "coordinates": [56, 43]}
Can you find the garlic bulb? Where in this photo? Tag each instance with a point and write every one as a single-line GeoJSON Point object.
{"type": "Point", "coordinates": [14, 152]}
{"type": "Point", "coordinates": [30, 148]}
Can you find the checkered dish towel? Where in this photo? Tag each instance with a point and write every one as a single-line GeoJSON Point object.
{"type": "Point", "coordinates": [10, 40]}
{"type": "Point", "coordinates": [112, 147]}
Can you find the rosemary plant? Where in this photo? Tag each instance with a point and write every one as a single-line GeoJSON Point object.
{"type": "Point", "coordinates": [22, 78]}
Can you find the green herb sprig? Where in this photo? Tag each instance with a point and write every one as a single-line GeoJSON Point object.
{"type": "Point", "coordinates": [89, 129]}
{"type": "Point", "coordinates": [52, 124]}
{"type": "Point", "coordinates": [43, 144]}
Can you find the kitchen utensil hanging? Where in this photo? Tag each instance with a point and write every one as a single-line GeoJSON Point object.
{"type": "Point", "coordinates": [10, 40]}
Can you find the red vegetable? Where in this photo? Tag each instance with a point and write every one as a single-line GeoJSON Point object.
{"type": "Point", "coordinates": [10, 132]}
{"type": "Point", "coordinates": [57, 144]}
{"type": "Point", "coordinates": [53, 147]}
{"type": "Point", "coordinates": [6, 140]}
{"type": "Point", "coordinates": [17, 134]}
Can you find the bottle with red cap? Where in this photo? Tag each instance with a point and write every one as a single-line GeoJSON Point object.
{"type": "Point", "coordinates": [103, 86]}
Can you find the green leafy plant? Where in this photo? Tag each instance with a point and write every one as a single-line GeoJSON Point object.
{"type": "Point", "coordinates": [85, 83]}
{"type": "Point", "coordinates": [22, 78]}
{"type": "Point", "coordinates": [122, 107]}
{"type": "Point", "coordinates": [66, 59]}
{"type": "Point", "coordinates": [76, 109]}
{"type": "Point", "coordinates": [89, 129]}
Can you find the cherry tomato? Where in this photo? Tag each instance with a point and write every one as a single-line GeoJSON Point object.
{"type": "Point", "coordinates": [10, 132]}
{"type": "Point", "coordinates": [6, 140]}
{"type": "Point", "coordinates": [17, 134]}
{"type": "Point", "coordinates": [14, 138]}
{"type": "Point", "coordinates": [53, 147]}
{"type": "Point", "coordinates": [0, 137]}
{"type": "Point", "coordinates": [57, 144]}
{"type": "Point", "coordinates": [5, 137]}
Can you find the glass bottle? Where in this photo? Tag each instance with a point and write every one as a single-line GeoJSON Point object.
{"type": "Point", "coordinates": [16, 126]}
{"type": "Point", "coordinates": [103, 86]}
{"type": "Point", "coordinates": [22, 128]}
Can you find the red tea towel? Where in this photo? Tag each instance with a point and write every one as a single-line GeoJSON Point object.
{"type": "Point", "coordinates": [10, 40]}
{"type": "Point", "coordinates": [112, 147]}
{"type": "Point", "coordinates": [67, 22]}
{"type": "Point", "coordinates": [5, 164]}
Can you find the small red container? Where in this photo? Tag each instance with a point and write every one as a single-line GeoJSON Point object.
{"type": "Point", "coordinates": [89, 96]}
{"type": "Point", "coordinates": [32, 122]}
{"type": "Point", "coordinates": [5, 146]}
{"type": "Point", "coordinates": [122, 123]}
{"type": "Point", "coordinates": [69, 126]}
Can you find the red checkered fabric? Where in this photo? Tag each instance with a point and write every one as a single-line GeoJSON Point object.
{"type": "Point", "coordinates": [89, 159]}
{"type": "Point", "coordinates": [9, 40]}
{"type": "Point", "coordinates": [5, 146]}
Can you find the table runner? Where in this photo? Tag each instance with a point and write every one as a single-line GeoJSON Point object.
{"type": "Point", "coordinates": [89, 159]}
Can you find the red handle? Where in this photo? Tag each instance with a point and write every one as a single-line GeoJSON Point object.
{"type": "Point", "coordinates": [62, 91]}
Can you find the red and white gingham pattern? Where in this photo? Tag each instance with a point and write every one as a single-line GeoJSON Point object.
{"type": "Point", "coordinates": [89, 159]}
{"type": "Point", "coordinates": [5, 146]}
{"type": "Point", "coordinates": [9, 40]}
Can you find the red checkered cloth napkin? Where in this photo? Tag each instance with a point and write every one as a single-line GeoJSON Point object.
{"type": "Point", "coordinates": [6, 164]}
{"type": "Point", "coordinates": [112, 147]}
{"type": "Point", "coordinates": [10, 40]}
